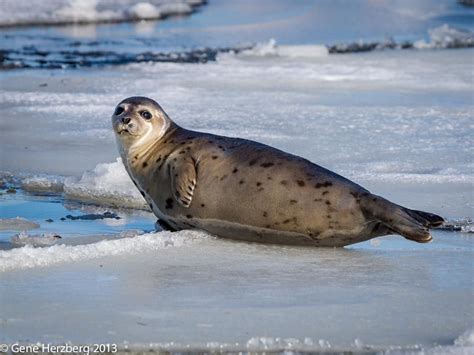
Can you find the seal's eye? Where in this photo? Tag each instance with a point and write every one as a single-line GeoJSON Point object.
{"type": "Point", "coordinates": [146, 115]}
{"type": "Point", "coordinates": [118, 110]}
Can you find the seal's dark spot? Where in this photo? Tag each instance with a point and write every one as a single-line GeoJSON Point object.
{"type": "Point", "coordinates": [265, 214]}
{"type": "Point", "coordinates": [324, 184]}
{"type": "Point", "coordinates": [210, 142]}
{"type": "Point", "coordinates": [292, 202]}
{"type": "Point", "coordinates": [183, 143]}
{"type": "Point", "coordinates": [214, 157]}
{"type": "Point", "coordinates": [325, 193]}
{"type": "Point", "coordinates": [267, 226]}
{"type": "Point", "coordinates": [365, 194]}
{"type": "Point", "coordinates": [328, 216]}
{"type": "Point", "coordinates": [189, 216]}
{"type": "Point", "coordinates": [158, 160]}
{"type": "Point", "coordinates": [235, 170]}
{"type": "Point", "coordinates": [300, 183]}
{"type": "Point", "coordinates": [151, 206]}
{"type": "Point", "coordinates": [176, 175]}
{"type": "Point", "coordinates": [241, 182]}
{"type": "Point", "coordinates": [252, 162]}
{"type": "Point", "coordinates": [182, 152]}
{"type": "Point", "coordinates": [267, 165]}
{"type": "Point", "coordinates": [223, 177]}
{"type": "Point", "coordinates": [328, 202]}
{"type": "Point", "coordinates": [175, 159]}
{"type": "Point", "coordinates": [269, 178]}
{"type": "Point", "coordinates": [145, 164]}
{"type": "Point", "coordinates": [258, 183]}
{"type": "Point", "coordinates": [284, 182]}
{"type": "Point", "coordinates": [374, 199]}
{"type": "Point", "coordinates": [222, 148]}
{"type": "Point", "coordinates": [203, 205]}
{"type": "Point", "coordinates": [286, 221]}
{"type": "Point", "coordinates": [317, 199]}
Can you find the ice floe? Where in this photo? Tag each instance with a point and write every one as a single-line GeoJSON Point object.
{"type": "Point", "coordinates": [29, 257]}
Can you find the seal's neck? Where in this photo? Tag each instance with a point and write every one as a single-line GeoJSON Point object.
{"type": "Point", "coordinates": [147, 145]}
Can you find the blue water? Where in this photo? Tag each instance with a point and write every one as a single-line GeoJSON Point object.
{"type": "Point", "coordinates": [41, 207]}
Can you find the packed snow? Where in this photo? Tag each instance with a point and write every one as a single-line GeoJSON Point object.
{"type": "Point", "coordinates": [30, 257]}
{"type": "Point", "coordinates": [106, 184]}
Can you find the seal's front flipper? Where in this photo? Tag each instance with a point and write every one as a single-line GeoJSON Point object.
{"type": "Point", "coordinates": [164, 226]}
{"type": "Point", "coordinates": [411, 224]}
{"type": "Point", "coordinates": [183, 181]}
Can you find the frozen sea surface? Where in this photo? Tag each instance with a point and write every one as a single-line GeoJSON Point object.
{"type": "Point", "coordinates": [188, 289]}
{"type": "Point", "coordinates": [399, 123]}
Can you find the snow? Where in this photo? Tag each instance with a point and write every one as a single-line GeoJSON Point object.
{"type": "Point", "coordinates": [447, 37]}
{"type": "Point", "coordinates": [30, 257]}
{"type": "Point", "coordinates": [143, 10]}
{"type": "Point", "coordinates": [106, 184]}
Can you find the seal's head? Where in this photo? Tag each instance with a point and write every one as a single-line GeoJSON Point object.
{"type": "Point", "coordinates": [139, 120]}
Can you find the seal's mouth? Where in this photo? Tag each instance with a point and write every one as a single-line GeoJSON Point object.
{"type": "Point", "coordinates": [121, 131]}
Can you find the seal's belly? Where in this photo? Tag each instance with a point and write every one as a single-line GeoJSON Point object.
{"type": "Point", "coordinates": [249, 233]}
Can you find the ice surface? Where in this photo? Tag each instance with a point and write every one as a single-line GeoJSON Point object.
{"type": "Point", "coordinates": [399, 123]}
{"type": "Point", "coordinates": [48, 183]}
{"type": "Point", "coordinates": [17, 223]}
{"type": "Point", "coordinates": [24, 238]}
{"type": "Point", "coordinates": [271, 49]}
{"type": "Point", "coordinates": [107, 184]}
{"type": "Point", "coordinates": [213, 293]}
{"type": "Point", "coordinates": [447, 37]}
{"type": "Point", "coordinates": [29, 257]}
{"type": "Point", "coordinates": [15, 12]}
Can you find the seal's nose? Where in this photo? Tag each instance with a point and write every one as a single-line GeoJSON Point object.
{"type": "Point", "coordinates": [126, 120]}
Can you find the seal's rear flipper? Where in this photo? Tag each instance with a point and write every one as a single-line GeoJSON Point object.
{"type": "Point", "coordinates": [429, 220]}
{"type": "Point", "coordinates": [411, 224]}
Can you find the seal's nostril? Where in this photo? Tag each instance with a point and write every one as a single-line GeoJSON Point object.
{"type": "Point", "coordinates": [126, 120]}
